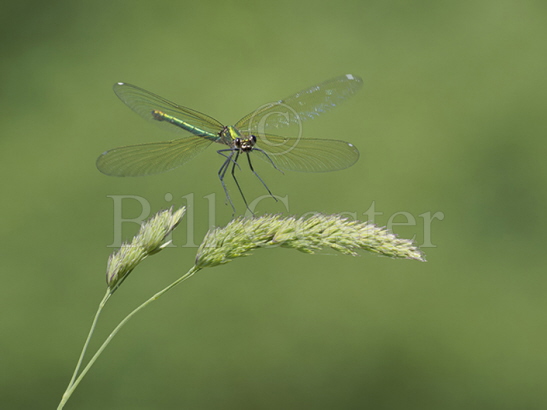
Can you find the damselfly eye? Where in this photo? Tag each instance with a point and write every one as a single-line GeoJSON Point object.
{"type": "Point", "coordinates": [252, 138]}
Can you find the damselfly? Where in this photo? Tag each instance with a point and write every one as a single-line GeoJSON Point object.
{"type": "Point", "coordinates": [250, 134]}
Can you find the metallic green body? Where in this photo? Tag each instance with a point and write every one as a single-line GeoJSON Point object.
{"type": "Point", "coordinates": [161, 116]}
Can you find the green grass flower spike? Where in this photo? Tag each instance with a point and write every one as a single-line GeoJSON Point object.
{"type": "Point", "coordinates": [310, 235]}
{"type": "Point", "coordinates": [239, 238]}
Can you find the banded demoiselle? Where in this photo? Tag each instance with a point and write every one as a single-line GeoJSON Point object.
{"type": "Point", "coordinates": [250, 134]}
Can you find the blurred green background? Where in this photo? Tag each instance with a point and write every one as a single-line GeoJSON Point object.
{"type": "Point", "coordinates": [451, 120]}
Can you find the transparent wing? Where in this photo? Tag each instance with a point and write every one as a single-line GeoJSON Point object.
{"type": "Point", "coordinates": [144, 102]}
{"type": "Point", "coordinates": [148, 159]}
{"type": "Point", "coordinates": [306, 104]}
{"type": "Point", "coordinates": [306, 154]}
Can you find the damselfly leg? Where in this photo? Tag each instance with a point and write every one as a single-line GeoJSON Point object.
{"type": "Point", "coordinates": [232, 156]}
